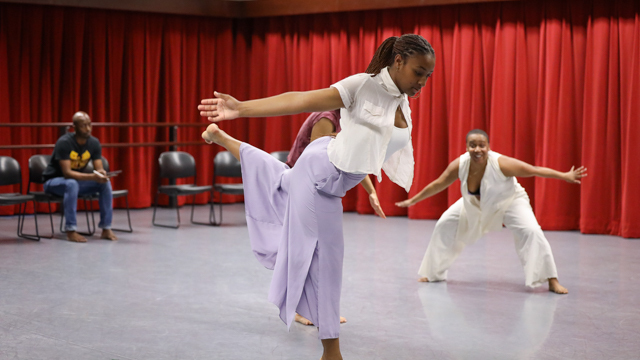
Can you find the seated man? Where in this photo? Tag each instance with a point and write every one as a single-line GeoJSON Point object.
{"type": "Point", "coordinates": [64, 177]}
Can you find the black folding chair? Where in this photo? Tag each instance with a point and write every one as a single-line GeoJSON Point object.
{"type": "Point", "coordinates": [225, 164]}
{"type": "Point", "coordinates": [11, 174]}
{"type": "Point", "coordinates": [280, 155]}
{"type": "Point", "coordinates": [176, 165]}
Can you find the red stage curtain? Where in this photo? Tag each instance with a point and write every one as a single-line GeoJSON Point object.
{"type": "Point", "coordinates": [554, 83]}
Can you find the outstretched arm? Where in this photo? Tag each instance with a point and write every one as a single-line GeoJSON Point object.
{"type": "Point", "coordinates": [514, 167]}
{"type": "Point", "coordinates": [445, 180]}
{"type": "Point", "coordinates": [226, 107]}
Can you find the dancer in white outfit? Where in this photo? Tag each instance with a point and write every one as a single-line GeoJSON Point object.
{"type": "Point", "coordinates": [491, 196]}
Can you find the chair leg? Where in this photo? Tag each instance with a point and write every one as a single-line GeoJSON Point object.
{"type": "Point", "coordinates": [155, 205]}
{"type": "Point", "coordinates": [51, 222]}
{"type": "Point", "coordinates": [193, 206]}
{"type": "Point", "coordinates": [126, 199]}
{"type": "Point", "coordinates": [21, 216]}
{"type": "Point", "coordinates": [90, 231]}
{"type": "Point", "coordinates": [177, 210]}
{"type": "Point", "coordinates": [62, 219]}
{"type": "Point", "coordinates": [212, 216]}
{"type": "Point", "coordinates": [212, 212]}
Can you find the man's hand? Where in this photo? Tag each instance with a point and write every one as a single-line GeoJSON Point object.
{"type": "Point", "coordinates": [375, 204]}
{"type": "Point", "coordinates": [100, 179]}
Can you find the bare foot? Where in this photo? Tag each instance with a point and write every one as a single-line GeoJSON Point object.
{"type": "Point", "coordinates": [75, 237]}
{"type": "Point", "coordinates": [107, 234]}
{"type": "Point", "coordinates": [555, 287]}
{"type": "Point", "coordinates": [213, 134]}
{"type": "Point", "coordinates": [304, 321]}
{"type": "Point", "coordinates": [423, 279]}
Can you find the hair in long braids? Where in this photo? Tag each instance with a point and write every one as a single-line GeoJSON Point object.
{"type": "Point", "coordinates": [406, 45]}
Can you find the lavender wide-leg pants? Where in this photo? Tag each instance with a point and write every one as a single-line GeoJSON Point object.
{"type": "Point", "coordinates": [294, 218]}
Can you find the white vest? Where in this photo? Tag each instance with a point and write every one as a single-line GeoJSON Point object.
{"type": "Point", "coordinates": [497, 191]}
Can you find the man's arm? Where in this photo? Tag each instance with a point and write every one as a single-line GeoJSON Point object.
{"type": "Point", "coordinates": [99, 167]}
{"type": "Point", "coordinates": [447, 178]}
{"type": "Point", "coordinates": [65, 166]}
{"type": "Point", "coordinates": [514, 167]}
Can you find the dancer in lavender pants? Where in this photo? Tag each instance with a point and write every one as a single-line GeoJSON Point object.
{"type": "Point", "coordinates": [317, 125]}
{"type": "Point", "coordinates": [294, 215]}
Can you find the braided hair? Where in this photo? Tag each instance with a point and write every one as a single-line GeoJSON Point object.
{"type": "Point", "coordinates": [406, 46]}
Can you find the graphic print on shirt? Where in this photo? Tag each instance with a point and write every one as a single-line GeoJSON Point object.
{"type": "Point", "coordinates": [79, 162]}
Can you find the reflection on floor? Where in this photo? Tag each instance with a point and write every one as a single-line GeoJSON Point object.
{"type": "Point", "coordinates": [198, 293]}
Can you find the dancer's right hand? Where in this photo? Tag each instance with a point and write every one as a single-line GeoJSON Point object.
{"type": "Point", "coordinates": [222, 107]}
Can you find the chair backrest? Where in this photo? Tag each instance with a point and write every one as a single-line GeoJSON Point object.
{"type": "Point", "coordinates": [105, 164]}
{"type": "Point", "coordinates": [176, 164]}
{"type": "Point", "coordinates": [225, 164]}
{"type": "Point", "coordinates": [10, 171]}
{"type": "Point", "coordinates": [89, 168]}
{"type": "Point", "coordinates": [281, 155]}
{"type": "Point", "coordinates": [37, 165]}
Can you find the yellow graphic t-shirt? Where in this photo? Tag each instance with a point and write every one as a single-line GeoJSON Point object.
{"type": "Point", "coordinates": [67, 148]}
{"type": "Point", "coordinates": [78, 162]}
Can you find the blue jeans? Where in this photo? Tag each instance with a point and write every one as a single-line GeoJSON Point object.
{"type": "Point", "coordinates": [70, 189]}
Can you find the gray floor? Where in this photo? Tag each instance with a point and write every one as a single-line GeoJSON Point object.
{"type": "Point", "coordinates": [198, 293]}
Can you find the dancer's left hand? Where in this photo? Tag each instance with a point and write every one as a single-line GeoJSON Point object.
{"type": "Point", "coordinates": [222, 107]}
{"type": "Point", "coordinates": [375, 204]}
